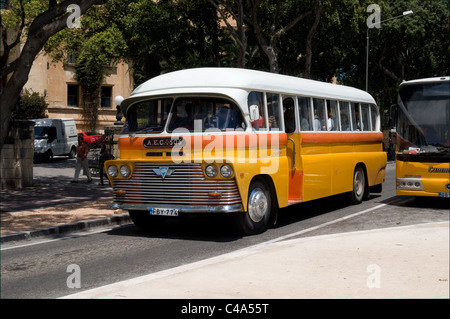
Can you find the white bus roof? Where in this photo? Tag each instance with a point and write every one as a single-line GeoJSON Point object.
{"type": "Point", "coordinates": [210, 79]}
{"type": "Point", "coordinates": [425, 80]}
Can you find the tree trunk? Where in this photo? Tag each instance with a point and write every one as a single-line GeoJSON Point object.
{"type": "Point", "coordinates": [42, 28]}
{"type": "Point", "coordinates": [312, 31]}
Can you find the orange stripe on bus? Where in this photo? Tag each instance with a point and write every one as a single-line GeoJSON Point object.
{"type": "Point", "coordinates": [230, 140]}
{"type": "Point", "coordinates": [336, 137]}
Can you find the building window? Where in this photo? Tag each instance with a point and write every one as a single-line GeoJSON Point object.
{"type": "Point", "coordinates": [71, 58]}
{"type": "Point", "coordinates": [106, 95]}
{"type": "Point", "coordinates": [72, 95]}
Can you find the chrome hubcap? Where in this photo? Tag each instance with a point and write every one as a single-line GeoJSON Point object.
{"type": "Point", "coordinates": [257, 205]}
{"type": "Point", "coordinates": [359, 183]}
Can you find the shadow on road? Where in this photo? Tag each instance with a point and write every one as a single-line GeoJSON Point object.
{"type": "Point", "coordinates": [419, 202]}
{"type": "Point", "coordinates": [52, 191]}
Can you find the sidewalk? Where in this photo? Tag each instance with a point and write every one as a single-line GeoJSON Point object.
{"type": "Point", "coordinates": [54, 206]}
{"type": "Point", "coordinates": [401, 262]}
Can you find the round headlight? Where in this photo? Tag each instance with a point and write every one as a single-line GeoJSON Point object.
{"type": "Point", "coordinates": [112, 171]}
{"type": "Point", "coordinates": [211, 170]}
{"type": "Point", "coordinates": [124, 171]}
{"type": "Point", "coordinates": [226, 171]}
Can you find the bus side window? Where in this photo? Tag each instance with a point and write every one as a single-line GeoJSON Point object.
{"type": "Point", "coordinates": [366, 125]}
{"type": "Point", "coordinates": [289, 115]}
{"type": "Point", "coordinates": [356, 121]}
{"type": "Point", "coordinates": [345, 116]}
{"type": "Point", "coordinates": [273, 110]}
{"type": "Point", "coordinates": [332, 121]}
{"type": "Point", "coordinates": [257, 98]}
{"type": "Point", "coordinates": [319, 115]}
{"type": "Point", "coordinates": [305, 114]}
{"type": "Point", "coordinates": [373, 117]}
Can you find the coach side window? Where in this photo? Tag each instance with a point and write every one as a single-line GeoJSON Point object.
{"type": "Point", "coordinates": [344, 108]}
{"type": "Point", "coordinates": [332, 120]}
{"type": "Point", "coordinates": [356, 119]}
{"type": "Point", "coordinates": [319, 115]}
{"type": "Point", "coordinates": [374, 117]}
{"type": "Point", "coordinates": [289, 115]}
{"type": "Point", "coordinates": [257, 98]}
{"type": "Point", "coordinates": [304, 109]}
{"type": "Point", "coordinates": [273, 110]}
{"type": "Point", "coordinates": [365, 117]}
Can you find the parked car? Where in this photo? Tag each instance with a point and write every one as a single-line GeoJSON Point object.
{"type": "Point", "coordinates": [54, 137]}
{"type": "Point", "coordinates": [92, 137]}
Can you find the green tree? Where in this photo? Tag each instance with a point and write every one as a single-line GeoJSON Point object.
{"type": "Point", "coordinates": [406, 48]}
{"type": "Point", "coordinates": [45, 19]}
{"type": "Point", "coordinates": [168, 35]}
{"type": "Point", "coordinates": [97, 44]}
{"type": "Point", "coordinates": [32, 106]}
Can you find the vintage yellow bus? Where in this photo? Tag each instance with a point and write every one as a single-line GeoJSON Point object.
{"type": "Point", "coordinates": [423, 138]}
{"type": "Point", "coordinates": [243, 142]}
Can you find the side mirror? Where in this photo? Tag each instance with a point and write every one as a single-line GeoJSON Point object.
{"type": "Point", "coordinates": [253, 111]}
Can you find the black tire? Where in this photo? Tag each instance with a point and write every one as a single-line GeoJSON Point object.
{"type": "Point", "coordinates": [72, 153]}
{"type": "Point", "coordinates": [259, 206]}
{"type": "Point", "coordinates": [143, 220]}
{"type": "Point", "coordinates": [359, 186]}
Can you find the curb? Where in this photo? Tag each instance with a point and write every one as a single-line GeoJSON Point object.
{"type": "Point", "coordinates": [66, 228]}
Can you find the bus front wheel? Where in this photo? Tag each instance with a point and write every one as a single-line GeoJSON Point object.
{"type": "Point", "coordinates": [255, 219]}
{"type": "Point", "coordinates": [359, 186]}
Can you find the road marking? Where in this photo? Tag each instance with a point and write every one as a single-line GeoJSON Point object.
{"type": "Point", "coordinates": [205, 262]}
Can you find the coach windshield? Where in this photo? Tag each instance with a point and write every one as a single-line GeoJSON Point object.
{"type": "Point", "coordinates": [148, 116]}
{"type": "Point", "coordinates": [203, 113]}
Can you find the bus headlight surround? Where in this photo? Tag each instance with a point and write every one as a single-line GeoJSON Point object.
{"type": "Point", "coordinates": [211, 171]}
{"type": "Point", "coordinates": [124, 171]}
{"type": "Point", "coordinates": [226, 171]}
{"type": "Point", "coordinates": [112, 171]}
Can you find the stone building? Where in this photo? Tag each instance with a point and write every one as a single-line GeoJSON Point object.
{"type": "Point", "coordinates": [63, 93]}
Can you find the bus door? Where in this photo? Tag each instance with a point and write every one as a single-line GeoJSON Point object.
{"type": "Point", "coordinates": [293, 150]}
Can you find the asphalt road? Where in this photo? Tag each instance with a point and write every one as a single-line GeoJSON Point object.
{"type": "Point", "coordinates": [42, 269]}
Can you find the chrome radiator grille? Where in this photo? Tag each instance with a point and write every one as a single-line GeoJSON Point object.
{"type": "Point", "coordinates": [186, 185]}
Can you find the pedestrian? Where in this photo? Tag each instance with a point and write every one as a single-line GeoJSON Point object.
{"type": "Point", "coordinates": [82, 161]}
{"type": "Point", "coordinates": [105, 155]}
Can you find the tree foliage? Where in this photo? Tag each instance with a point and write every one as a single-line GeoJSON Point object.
{"type": "Point", "coordinates": [96, 44]}
{"type": "Point", "coordinates": [319, 39]}
{"type": "Point", "coordinates": [46, 19]}
{"type": "Point", "coordinates": [32, 105]}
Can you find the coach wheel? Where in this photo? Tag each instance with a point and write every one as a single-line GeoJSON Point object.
{"type": "Point", "coordinates": [255, 219]}
{"type": "Point", "coordinates": [145, 221]}
{"type": "Point", "coordinates": [359, 186]}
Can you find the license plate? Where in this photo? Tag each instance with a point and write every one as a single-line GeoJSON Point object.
{"type": "Point", "coordinates": [163, 211]}
{"type": "Point", "coordinates": [444, 194]}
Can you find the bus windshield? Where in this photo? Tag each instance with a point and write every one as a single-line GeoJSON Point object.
{"type": "Point", "coordinates": [200, 114]}
{"type": "Point", "coordinates": [424, 118]}
{"type": "Point", "coordinates": [188, 113]}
